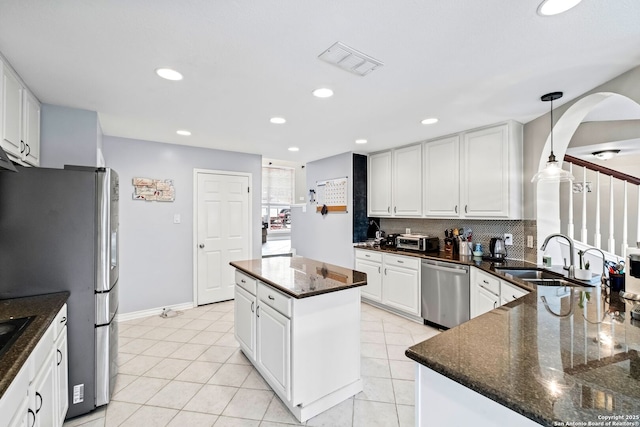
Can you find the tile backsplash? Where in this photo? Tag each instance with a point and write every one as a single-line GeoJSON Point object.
{"type": "Point", "coordinates": [483, 231]}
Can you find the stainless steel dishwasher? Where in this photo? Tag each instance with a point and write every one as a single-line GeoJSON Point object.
{"type": "Point", "coordinates": [445, 293]}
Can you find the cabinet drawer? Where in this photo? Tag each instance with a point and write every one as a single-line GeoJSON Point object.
{"type": "Point", "coordinates": [60, 322]}
{"type": "Point", "coordinates": [246, 282]}
{"type": "Point", "coordinates": [368, 255]}
{"type": "Point", "coordinates": [402, 261]}
{"type": "Point", "coordinates": [43, 349]}
{"type": "Point", "coordinates": [274, 299]}
{"type": "Point", "coordinates": [490, 283]}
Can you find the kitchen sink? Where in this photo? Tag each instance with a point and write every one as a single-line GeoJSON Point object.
{"type": "Point", "coordinates": [536, 277]}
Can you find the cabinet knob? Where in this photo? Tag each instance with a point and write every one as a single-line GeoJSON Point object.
{"type": "Point", "coordinates": [495, 303]}
{"type": "Point", "coordinates": [28, 150]}
{"type": "Point", "coordinates": [258, 312]}
{"type": "Point", "coordinates": [388, 209]}
{"type": "Point", "coordinates": [456, 208]}
{"type": "Point", "coordinates": [34, 417]}
{"type": "Point", "coordinates": [465, 209]}
{"type": "Point", "coordinates": [63, 320]}
{"type": "Point", "coordinates": [60, 356]}
{"type": "Point", "coordinates": [394, 209]}
{"type": "Point", "coordinates": [201, 245]}
{"type": "Point", "coordinates": [252, 303]}
{"type": "Point", "coordinates": [271, 298]}
{"type": "Point", "coordinates": [38, 395]}
{"type": "Point", "coordinates": [21, 146]}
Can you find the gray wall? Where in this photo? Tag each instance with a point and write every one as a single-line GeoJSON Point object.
{"type": "Point", "coordinates": [156, 255]}
{"type": "Point", "coordinates": [68, 136]}
{"type": "Point", "coordinates": [326, 238]}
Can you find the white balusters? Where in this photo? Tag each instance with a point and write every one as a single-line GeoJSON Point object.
{"type": "Point", "coordinates": [612, 240]}
{"type": "Point", "coordinates": [583, 231]}
{"type": "Point", "coordinates": [570, 221]}
{"type": "Point", "coordinates": [597, 238]}
{"type": "Point", "coordinates": [625, 220]}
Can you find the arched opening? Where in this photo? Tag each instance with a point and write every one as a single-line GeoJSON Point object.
{"type": "Point", "coordinates": [548, 194]}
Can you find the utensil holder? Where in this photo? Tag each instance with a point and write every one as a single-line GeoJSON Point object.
{"type": "Point", "coordinates": [616, 282]}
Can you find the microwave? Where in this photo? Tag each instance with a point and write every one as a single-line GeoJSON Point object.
{"type": "Point", "coordinates": [418, 243]}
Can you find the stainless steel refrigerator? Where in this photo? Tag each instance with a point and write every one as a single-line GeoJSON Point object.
{"type": "Point", "coordinates": [59, 232]}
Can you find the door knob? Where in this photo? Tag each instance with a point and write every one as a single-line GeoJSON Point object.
{"type": "Point", "coordinates": [201, 245]}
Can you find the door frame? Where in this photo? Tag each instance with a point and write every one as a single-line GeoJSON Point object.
{"type": "Point", "coordinates": [194, 241]}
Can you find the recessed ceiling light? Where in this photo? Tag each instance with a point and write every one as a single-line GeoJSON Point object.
{"type": "Point", "coordinates": [183, 132]}
{"type": "Point", "coordinates": [294, 149]}
{"type": "Point", "coordinates": [606, 154]}
{"type": "Point", "coordinates": [277, 120]}
{"type": "Point", "coordinates": [361, 141]}
{"type": "Point", "coordinates": [323, 92]}
{"type": "Point", "coordinates": [555, 7]}
{"type": "Point", "coordinates": [429, 121]}
{"type": "Point", "coordinates": [169, 74]}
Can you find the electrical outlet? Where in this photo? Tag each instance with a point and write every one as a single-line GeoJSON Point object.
{"type": "Point", "coordinates": [530, 242]}
{"type": "Point", "coordinates": [508, 239]}
{"type": "Point", "coordinates": [176, 218]}
{"type": "Point", "coordinates": [407, 231]}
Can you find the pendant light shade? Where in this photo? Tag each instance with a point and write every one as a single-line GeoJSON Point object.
{"type": "Point", "coordinates": [553, 172]}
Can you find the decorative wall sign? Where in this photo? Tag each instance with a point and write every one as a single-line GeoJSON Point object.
{"type": "Point", "coordinates": [332, 195]}
{"type": "Point", "coordinates": [160, 190]}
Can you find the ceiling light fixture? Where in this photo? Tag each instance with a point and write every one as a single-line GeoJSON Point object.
{"type": "Point", "coordinates": [552, 172]}
{"type": "Point", "coordinates": [293, 149]}
{"type": "Point", "coordinates": [183, 132]}
{"type": "Point", "coordinates": [555, 7]}
{"type": "Point", "coordinates": [169, 74]}
{"type": "Point", "coordinates": [429, 121]}
{"type": "Point", "coordinates": [323, 92]}
{"type": "Point", "coordinates": [277, 120]}
{"type": "Point", "coordinates": [361, 141]}
{"type": "Point", "coordinates": [606, 154]}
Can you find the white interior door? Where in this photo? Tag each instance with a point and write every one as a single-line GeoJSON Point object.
{"type": "Point", "coordinates": [223, 233]}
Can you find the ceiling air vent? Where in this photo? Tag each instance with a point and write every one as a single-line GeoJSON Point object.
{"type": "Point", "coordinates": [350, 59]}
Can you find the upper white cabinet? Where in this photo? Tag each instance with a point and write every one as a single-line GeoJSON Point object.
{"type": "Point", "coordinates": [20, 119]}
{"type": "Point", "coordinates": [395, 183]}
{"type": "Point", "coordinates": [491, 175]}
{"type": "Point", "coordinates": [407, 181]}
{"type": "Point", "coordinates": [441, 177]}
{"type": "Point", "coordinates": [11, 112]}
{"type": "Point", "coordinates": [379, 184]}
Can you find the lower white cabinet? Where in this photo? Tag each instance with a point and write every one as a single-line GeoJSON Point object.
{"type": "Point", "coordinates": [38, 395]}
{"type": "Point", "coordinates": [370, 262]}
{"type": "Point", "coordinates": [273, 349]}
{"type": "Point", "coordinates": [392, 280]}
{"type": "Point", "coordinates": [401, 283]}
{"type": "Point", "coordinates": [306, 349]}
{"type": "Point", "coordinates": [489, 292]}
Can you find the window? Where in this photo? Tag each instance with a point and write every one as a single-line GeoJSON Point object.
{"type": "Point", "coordinates": [277, 196]}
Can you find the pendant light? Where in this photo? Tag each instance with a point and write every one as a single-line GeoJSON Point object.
{"type": "Point", "coordinates": [552, 172]}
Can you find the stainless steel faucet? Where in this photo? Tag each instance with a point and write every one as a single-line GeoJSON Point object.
{"type": "Point", "coordinates": [572, 267]}
{"type": "Point", "coordinates": [604, 262]}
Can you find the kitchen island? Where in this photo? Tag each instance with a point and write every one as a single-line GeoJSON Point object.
{"type": "Point", "coordinates": [559, 356]}
{"type": "Point", "coordinates": [298, 321]}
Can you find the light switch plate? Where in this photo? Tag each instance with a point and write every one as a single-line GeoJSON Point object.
{"type": "Point", "coordinates": [176, 218]}
{"type": "Point", "coordinates": [508, 239]}
{"type": "Point", "coordinates": [530, 242]}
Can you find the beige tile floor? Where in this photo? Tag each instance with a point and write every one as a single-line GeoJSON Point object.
{"type": "Point", "coordinates": [189, 371]}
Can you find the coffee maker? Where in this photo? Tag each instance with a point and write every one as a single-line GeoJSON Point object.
{"type": "Point", "coordinates": [497, 248]}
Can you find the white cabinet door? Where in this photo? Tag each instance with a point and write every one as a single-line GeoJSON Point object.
{"type": "Point", "coordinates": [484, 301]}
{"type": "Point", "coordinates": [22, 416]}
{"type": "Point", "coordinates": [31, 130]}
{"type": "Point", "coordinates": [43, 393]}
{"type": "Point", "coordinates": [62, 377]}
{"type": "Point", "coordinates": [12, 113]}
{"type": "Point", "coordinates": [273, 349]}
{"type": "Point", "coordinates": [510, 292]}
{"type": "Point", "coordinates": [485, 177]}
{"type": "Point", "coordinates": [407, 181]}
{"type": "Point", "coordinates": [379, 184]}
{"type": "Point", "coordinates": [373, 289]}
{"type": "Point", "coordinates": [442, 177]}
{"type": "Point", "coordinates": [245, 320]}
{"type": "Point", "coordinates": [401, 289]}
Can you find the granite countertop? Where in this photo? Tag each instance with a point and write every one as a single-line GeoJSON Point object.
{"type": "Point", "coordinates": [557, 355]}
{"type": "Point", "coordinates": [301, 277]}
{"type": "Point", "coordinates": [44, 308]}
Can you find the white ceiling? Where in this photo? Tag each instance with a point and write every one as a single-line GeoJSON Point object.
{"type": "Point", "coordinates": [469, 63]}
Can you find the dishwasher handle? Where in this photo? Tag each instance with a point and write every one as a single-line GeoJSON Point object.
{"type": "Point", "coordinates": [454, 270]}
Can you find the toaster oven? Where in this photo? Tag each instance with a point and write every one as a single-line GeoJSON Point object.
{"type": "Point", "coordinates": [418, 243]}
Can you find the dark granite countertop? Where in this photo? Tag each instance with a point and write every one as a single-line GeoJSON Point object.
{"type": "Point", "coordinates": [301, 277]}
{"type": "Point", "coordinates": [44, 308]}
{"type": "Point", "coordinates": [555, 356]}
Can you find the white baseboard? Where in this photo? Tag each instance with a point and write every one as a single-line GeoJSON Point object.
{"type": "Point", "coordinates": [152, 311]}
